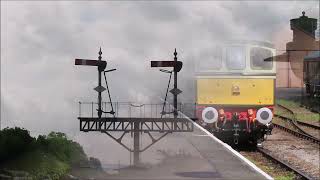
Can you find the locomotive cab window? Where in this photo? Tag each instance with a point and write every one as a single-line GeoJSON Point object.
{"type": "Point", "coordinates": [261, 59]}
{"type": "Point", "coordinates": [236, 59]}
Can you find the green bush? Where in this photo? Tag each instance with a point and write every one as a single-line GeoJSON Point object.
{"type": "Point", "coordinates": [64, 149]}
{"type": "Point", "coordinates": [50, 155]}
{"type": "Point", "coordinates": [13, 142]}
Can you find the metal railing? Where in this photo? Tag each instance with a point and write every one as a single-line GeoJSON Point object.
{"type": "Point", "coordinates": [136, 110]}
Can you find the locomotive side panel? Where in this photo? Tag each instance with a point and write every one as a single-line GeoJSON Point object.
{"type": "Point", "coordinates": [235, 91]}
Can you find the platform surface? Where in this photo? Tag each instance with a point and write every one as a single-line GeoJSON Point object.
{"type": "Point", "coordinates": [187, 155]}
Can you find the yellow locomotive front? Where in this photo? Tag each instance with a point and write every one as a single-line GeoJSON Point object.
{"type": "Point", "coordinates": [235, 91]}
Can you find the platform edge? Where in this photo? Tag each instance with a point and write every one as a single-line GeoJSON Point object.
{"type": "Point", "coordinates": [249, 163]}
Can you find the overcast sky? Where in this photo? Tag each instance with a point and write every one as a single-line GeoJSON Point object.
{"type": "Point", "coordinates": [41, 86]}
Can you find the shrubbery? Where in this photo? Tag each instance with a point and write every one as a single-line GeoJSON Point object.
{"type": "Point", "coordinates": [13, 142]}
{"type": "Point", "coordinates": [54, 150]}
{"type": "Point", "coordinates": [57, 144]}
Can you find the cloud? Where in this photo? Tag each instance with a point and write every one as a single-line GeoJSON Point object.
{"type": "Point", "coordinates": [40, 86]}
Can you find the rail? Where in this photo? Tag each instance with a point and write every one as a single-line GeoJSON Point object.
{"type": "Point", "coordinates": [297, 134]}
{"type": "Point", "coordinates": [295, 122]}
{"type": "Point", "coordinates": [299, 122]}
{"type": "Point", "coordinates": [284, 164]}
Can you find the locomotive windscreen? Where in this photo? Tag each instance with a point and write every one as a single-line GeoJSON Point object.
{"type": "Point", "coordinates": [261, 59]}
{"type": "Point", "coordinates": [236, 59]}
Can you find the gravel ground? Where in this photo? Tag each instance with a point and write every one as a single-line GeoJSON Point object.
{"type": "Point", "coordinates": [273, 169]}
{"type": "Point", "coordinates": [302, 154]}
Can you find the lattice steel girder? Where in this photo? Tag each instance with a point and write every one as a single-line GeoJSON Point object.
{"type": "Point", "coordinates": [127, 124]}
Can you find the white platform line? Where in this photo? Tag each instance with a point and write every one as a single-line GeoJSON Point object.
{"type": "Point", "coordinates": [230, 149]}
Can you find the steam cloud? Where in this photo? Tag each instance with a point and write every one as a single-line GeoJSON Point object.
{"type": "Point", "coordinates": [40, 86]}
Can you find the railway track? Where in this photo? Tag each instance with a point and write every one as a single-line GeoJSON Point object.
{"type": "Point", "coordinates": [308, 125]}
{"type": "Point", "coordinates": [293, 123]}
{"type": "Point", "coordinates": [266, 153]}
{"type": "Point", "coordinates": [300, 133]}
{"type": "Point", "coordinates": [297, 121]}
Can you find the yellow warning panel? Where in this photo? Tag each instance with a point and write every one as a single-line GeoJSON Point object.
{"type": "Point", "coordinates": [235, 91]}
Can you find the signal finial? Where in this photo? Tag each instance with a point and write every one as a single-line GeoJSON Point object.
{"type": "Point", "coordinates": [100, 52]}
{"type": "Point", "coordinates": [175, 52]}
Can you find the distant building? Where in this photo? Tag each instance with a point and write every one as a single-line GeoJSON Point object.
{"type": "Point", "coordinates": [290, 63]}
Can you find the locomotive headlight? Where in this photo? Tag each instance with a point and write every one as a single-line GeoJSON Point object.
{"type": "Point", "coordinates": [250, 112]}
{"type": "Point", "coordinates": [264, 115]}
{"type": "Point", "coordinates": [221, 112]}
{"type": "Point", "coordinates": [210, 115]}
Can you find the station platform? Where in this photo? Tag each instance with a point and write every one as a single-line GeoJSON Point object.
{"type": "Point", "coordinates": [185, 155]}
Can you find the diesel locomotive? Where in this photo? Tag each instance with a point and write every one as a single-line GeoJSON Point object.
{"type": "Point", "coordinates": [235, 91]}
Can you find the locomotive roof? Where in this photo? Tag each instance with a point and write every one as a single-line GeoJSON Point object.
{"type": "Point", "coordinates": [315, 55]}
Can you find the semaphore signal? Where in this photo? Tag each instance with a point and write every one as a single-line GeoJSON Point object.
{"type": "Point", "coordinates": [101, 67]}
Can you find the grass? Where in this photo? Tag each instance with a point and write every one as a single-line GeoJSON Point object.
{"type": "Point", "coordinates": [274, 170]}
{"type": "Point", "coordinates": [301, 113]}
{"type": "Point", "coordinates": [288, 177]}
{"type": "Point", "coordinates": [288, 103]}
